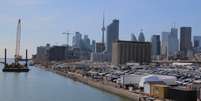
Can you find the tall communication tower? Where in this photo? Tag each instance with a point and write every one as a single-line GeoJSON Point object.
{"type": "Point", "coordinates": [103, 29]}
{"type": "Point", "coordinates": [18, 38]}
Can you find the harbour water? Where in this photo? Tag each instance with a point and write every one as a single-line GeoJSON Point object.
{"type": "Point", "coordinates": [42, 85]}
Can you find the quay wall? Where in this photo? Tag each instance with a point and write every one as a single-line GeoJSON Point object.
{"type": "Point", "coordinates": [99, 85]}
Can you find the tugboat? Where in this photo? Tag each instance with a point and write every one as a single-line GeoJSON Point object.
{"type": "Point", "coordinates": [16, 66]}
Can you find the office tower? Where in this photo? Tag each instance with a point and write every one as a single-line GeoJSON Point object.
{"type": "Point", "coordinates": [86, 43]}
{"type": "Point", "coordinates": [185, 40]}
{"type": "Point", "coordinates": [164, 43]}
{"type": "Point", "coordinates": [173, 42]}
{"type": "Point", "coordinates": [130, 51]}
{"type": "Point", "coordinates": [77, 39]}
{"type": "Point", "coordinates": [133, 38]}
{"type": "Point", "coordinates": [112, 34]}
{"type": "Point", "coordinates": [100, 47]}
{"type": "Point", "coordinates": [155, 44]}
{"type": "Point", "coordinates": [93, 45]}
{"type": "Point", "coordinates": [197, 43]}
{"type": "Point", "coordinates": [141, 37]}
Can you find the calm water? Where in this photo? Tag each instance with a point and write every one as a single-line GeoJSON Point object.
{"type": "Point", "coordinates": [41, 85]}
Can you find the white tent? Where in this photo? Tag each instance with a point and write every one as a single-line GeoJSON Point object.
{"type": "Point", "coordinates": [168, 80]}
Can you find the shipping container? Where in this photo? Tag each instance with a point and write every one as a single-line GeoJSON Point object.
{"type": "Point", "coordinates": [159, 91]}
{"type": "Point", "coordinates": [181, 94]}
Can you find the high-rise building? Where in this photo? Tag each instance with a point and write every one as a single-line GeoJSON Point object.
{"type": "Point", "coordinates": [86, 42]}
{"type": "Point", "coordinates": [185, 40]}
{"type": "Point", "coordinates": [164, 43]}
{"type": "Point", "coordinates": [93, 46]}
{"type": "Point", "coordinates": [173, 42]}
{"type": "Point", "coordinates": [131, 51]}
{"type": "Point", "coordinates": [197, 43]}
{"type": "Point", "coordinates": [112, 34]}
{"type": "Point", "coordinates": [156, 45]}
{"type": "Point", "coordinates": [77, 39]}
{"type": "Point", "coordinates": [141, 37]}
{"type": "Point", "coordinates": [133, 38]}
{"type": "Point", "coordinates": [100, 47]}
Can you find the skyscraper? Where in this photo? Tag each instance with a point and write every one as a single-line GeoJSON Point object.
{"type": "Point", "coordinates": [185, 40]}
{"type": "Point", "coordinates": [133, 38]}
{"type": "Point", "coordinates": [86, 43]}
{"type": "Point", "coordinates": [112, 34]}
{"type": "Point", "coordinates": [173, 42]}
{"type": "Point", "coordinates": [156, 45]}
{"type": "Point", "coordinates": [77, 40]}
{"type": "Point", "coordinates": [141, 37]}
{"type": "Point", "coordinates": [197, 43]}
{"type": "Point", "coordinates": [93, 45]}
{"type": "Point", "coordinates": [164, 43]}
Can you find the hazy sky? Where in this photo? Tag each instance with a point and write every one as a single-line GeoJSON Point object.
{"type": "Point", "coordinates": [45, 20]}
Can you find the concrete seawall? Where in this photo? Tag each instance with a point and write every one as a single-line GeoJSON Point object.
{"type": "Point", "coordinates": [99, 85]}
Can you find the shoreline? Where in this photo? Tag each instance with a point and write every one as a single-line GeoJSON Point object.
{"type": "Point", "coordinates": [96, 84]}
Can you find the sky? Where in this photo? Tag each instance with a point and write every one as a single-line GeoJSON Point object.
{"type": "Point", "coordinates": [43, 21]}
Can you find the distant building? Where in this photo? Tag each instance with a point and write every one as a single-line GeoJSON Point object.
{"type": "Point", "coordinates": [42, 53]}
{"type": "Point", "coordinates": [141, 37]}
{"type": "Point", "coordinates": [173, 42]}
{"type": "Point", "coordinates": [100, 47]}
{"type": "Point", "coordinates": [133, 38]}
{"type": "Point", "coordinates": [112, 34]}
{"type": "Point", "coordinates": [99, 57]}
{"type": "Point", "coordinates": [197, 43]}
{"type": "Point", "coordinates": [77, 39]}
{"type": "Point", "coordinates": [164, 43]}
{"type": "Point", "coordinates": [86, 43]}
{"type": "Point", "coordinates": [130, 51]}
{"type": "Point", "coordinates": [93, 46]}
{"type": "Point", "coordinates": [56, 53]}
{"type": "Point", "coordinates": [155, 46]}
{"type": "Point", "coordinates": [185, 40]}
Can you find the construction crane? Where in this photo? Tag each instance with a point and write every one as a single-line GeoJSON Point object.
{"type": "Point", "coordinates": [18, 38]}
{"type": "Point", "coordinates": [67, 37]}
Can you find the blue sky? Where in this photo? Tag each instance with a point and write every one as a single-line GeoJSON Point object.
{"type": "Point", "coordinates": [45, 20]}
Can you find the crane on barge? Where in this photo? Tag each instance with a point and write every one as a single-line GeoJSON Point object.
{"type": "Point", "coordinates": [16, 66]}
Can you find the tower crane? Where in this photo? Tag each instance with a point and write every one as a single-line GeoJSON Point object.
{"type": "Point", "coordinates": [67, 37]}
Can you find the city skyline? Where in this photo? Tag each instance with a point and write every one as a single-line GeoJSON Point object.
{"type": "Point", "coordinates": [43, 21]}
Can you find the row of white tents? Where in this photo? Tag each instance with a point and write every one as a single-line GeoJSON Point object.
{"type": "Point", "coordinates": [140, 80]}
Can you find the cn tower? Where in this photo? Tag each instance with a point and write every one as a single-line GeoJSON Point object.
{"type": "Point", "coordinates": [103, 30]}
